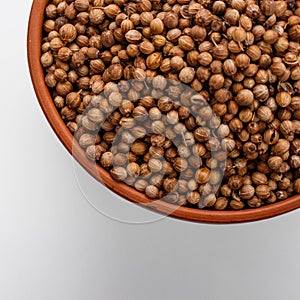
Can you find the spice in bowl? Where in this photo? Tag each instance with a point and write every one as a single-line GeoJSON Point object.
{"type": "Point", "coordinates": [193, 103]}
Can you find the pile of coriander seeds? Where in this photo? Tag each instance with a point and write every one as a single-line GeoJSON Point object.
{"type": "Point", "coordinates": [196, 103]}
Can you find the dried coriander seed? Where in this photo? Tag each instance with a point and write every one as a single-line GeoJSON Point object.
{"type": "Point", "coordinates": [68, 33]}
{"type": "Point", "coordinates": [152, 191]}
{"type": "Point", "coordinates": [240, 57]}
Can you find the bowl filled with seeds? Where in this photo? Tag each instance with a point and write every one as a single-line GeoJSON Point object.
{"type": "Point", "coordinates": [188, 108]}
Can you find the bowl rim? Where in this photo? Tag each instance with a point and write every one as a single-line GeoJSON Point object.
{"type": "Point", "coordinates": [34, 36]}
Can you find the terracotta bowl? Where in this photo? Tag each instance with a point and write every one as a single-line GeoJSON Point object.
{"type": "Point", "coordinates": [63, 133]}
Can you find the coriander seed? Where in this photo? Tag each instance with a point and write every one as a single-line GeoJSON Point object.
{"type": "Point", "coordinates": [126, 68]}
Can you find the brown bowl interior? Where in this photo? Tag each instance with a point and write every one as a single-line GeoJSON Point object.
{"type": "Point", "coordinates": [63, 133]}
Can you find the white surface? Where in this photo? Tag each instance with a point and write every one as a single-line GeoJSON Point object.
{"type": "Point", "coordinates": [54, 245]}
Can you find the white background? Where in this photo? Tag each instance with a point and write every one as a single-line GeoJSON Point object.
{"type": "Point", "coordinates": [54, 245]}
